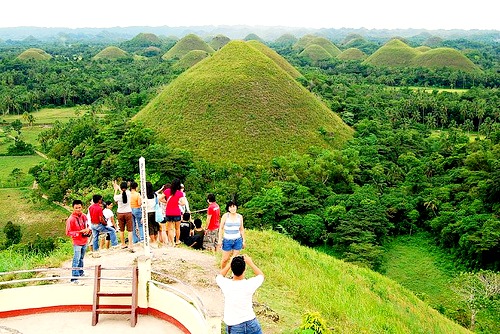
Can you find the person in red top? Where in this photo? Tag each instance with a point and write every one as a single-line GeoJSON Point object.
{"type": "Point", "coordinates": [76, 228]}
{"type": "Point", "coordinates": [173, 198]}
{"type": "Point", "coordinates": [213, 221]}
{"type": "Point", "coordinates": [99, 225]}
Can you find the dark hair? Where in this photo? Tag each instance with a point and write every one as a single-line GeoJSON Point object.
{"type": "Point", "coordinates": [238, 265]}
{"type": "Point", "coordinates": [107, 203]}
{"type": "Point", "coordinates": [150, 193]}
{"type": "Point", "coordinates": [229, 204]}
{"type": "Point", "coordinates": [134, 185]}
{"type": "Point", "coordinates": [176, 185]}
{"type": "Point", "coordinates": [211, 198]}
{"type": "Point", "coordinates": [96, 198]}
{"type": "Point", "coordinates": [123, 187]}
{"type": "Point", "coordinates": [186, 216]}
{"type": "Point", "coordinates": [77, 202]}
{"type": "Point", "coordinates": [197, 222]}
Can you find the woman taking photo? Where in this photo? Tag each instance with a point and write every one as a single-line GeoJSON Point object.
{"type": "Point", "coordinates": [174, 197]}
{"type": "Point", "coordinates": [231, 233]}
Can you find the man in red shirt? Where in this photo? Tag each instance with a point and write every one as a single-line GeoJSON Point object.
{"type": "Point", "coordinates": [213, 221]}
{"type": "Point", "coordinates": [76, 228]}
{"type": "Point", "coordinates": [98, 224]}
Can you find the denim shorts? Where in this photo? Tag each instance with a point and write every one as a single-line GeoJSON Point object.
{"type": "Point", "coordinates": [232, 244]}
{"type": "Point", "coordinates": [173, 218]}
{"type": "Point", "coordinates": [247, 327]}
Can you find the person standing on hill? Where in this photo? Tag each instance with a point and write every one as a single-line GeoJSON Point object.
{"type": "Point", "coordinates": [109, 217]}
{"type": "Point", "coordinates": [239, 316]}
{"type": "Point", "coordinates": [153, 225]}
{"type": "Point", "coordinates": [77, 229]}
{"type": "Point", "coordinates": [174, 198]}
{"type": "Point", "coordinates": [135, 204]}
{"type": "Point", "coordinates": [231, 233]}
{"type": "Point", "coordinates": [99, 225]}
{"type": "Point", "coordinates": [213, 220]}
{"type": "Point", "coordinates": [124, 212]}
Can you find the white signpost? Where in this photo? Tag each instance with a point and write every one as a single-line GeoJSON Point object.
{"type": "Point", "coordinates": [144, 205]}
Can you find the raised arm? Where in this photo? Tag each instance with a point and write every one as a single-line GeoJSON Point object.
{"type": "Point", "coordinates": [249, 262]}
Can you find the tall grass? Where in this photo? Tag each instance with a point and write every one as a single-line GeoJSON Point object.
{"type": "Point", "coordinates": [349, 298]}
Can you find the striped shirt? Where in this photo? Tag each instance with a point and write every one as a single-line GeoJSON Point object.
{"type": "Point", "coordinates": [232, 227]}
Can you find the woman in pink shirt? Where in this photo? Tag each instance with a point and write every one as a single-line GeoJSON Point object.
{"type": "Point", "coordinates": [173, 198]}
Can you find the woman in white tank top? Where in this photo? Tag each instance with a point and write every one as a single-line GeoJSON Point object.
{"type": "Point", "coordinates": [231, 233]}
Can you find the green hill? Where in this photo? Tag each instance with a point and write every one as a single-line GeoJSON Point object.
{"type": "Point", "coordinates": [286, 66]}
{"type": "Point", "coordinates": [350, 299]}
{"type": "Point", "coordinates": [326, 44]}
{"type": "Point", "coordinates": [144, 40]}
{"type": "Point", "coordinates": [286, 39]}
{"type": "Point", "coordinates": [111, 53]}
{"type": "Point", "coordinates": [253, 37]}
{"type": "Point", "coordinates": [445, 57]}
{"type": "Point", "coordinates": [184, 45]}
{"type": "Point", "coordinates": [351, 54]}
{"type": "Point", "coordinates": [151, 51]}
{"type": "Point", "coordinates": [191, 58]}
{"type": "Point", "coordinates": [240, 106]}
{"type": "Point", "coordinates": [315, 53]}
{"type": "Point", "coordinates": [394, 53]}
{"type": "Point", "coordinates": [302, 43]}
{"type": "Point", "coordinates": [423, 48]}
{"type": "Point", "coordinates": [34, 54]}
{"type": "Point", "coordinates": [219, 41]}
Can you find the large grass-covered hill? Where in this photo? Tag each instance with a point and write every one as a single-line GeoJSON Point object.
{"type": "Point", "coordinates": [397, 53]}
{"type": "Point", "coordinates": [239, 105]}
{"type": "Point", "coordinates": [34, 54]}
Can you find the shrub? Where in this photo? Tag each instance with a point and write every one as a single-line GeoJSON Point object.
{"type": "Point", "coordinates": [307, 229]}
{"type": "Point", "coordinates": [13, 233]}
{"type": "Point", "coordinates": [312, 322]}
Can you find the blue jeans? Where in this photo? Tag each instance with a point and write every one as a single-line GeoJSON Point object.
{"type": "Point", "coordinates": [78, 254]}
{"type": "Point", "coordinates": [247, 327]}
{"type": "Point", "coordinates": [137, 225]}
{"type": "Point", "coordinates": [232, 244]}
{"type": "Point", "coordinates": [100, 228]}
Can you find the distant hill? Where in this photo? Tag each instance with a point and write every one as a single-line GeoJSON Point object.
{"type": "Point", "coordinates": [396, 53]}
{"type": "Point", "coordinates": [352, 54]}
{"type": "Point", "coordinates": [315, 53]}
{"type": "Point", "coordinates": [219, 41]}
{"type": "Point", "coordinates": [144, 40]}
{"type": "Point", "coordinates": [238, 105]}
{"type": "Point", "coordinates": [34, 54]}
{"type": "Point", "coordinates": [184, 45]}
{"type": "Point", "coordinates": [445, 57]}
{"type": "Point", "coordinates": [191, 58]}
{"type": "Point", "coordinates": [253, 37]}
{"type": "Point", "coordinates": [111, 53]}
{"type": "Point", "coordinates": [326, 44]}
{"type": "Point", "coordinates": [286, 39]}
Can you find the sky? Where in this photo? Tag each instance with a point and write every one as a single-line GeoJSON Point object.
{"type": "Point", "coordinates": [370, 14]}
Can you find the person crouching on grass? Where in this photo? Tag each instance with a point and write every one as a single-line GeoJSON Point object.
{"type": "Point", "coordinates": [239, 316]}
{"type": "Point", "coordinates": [77, 229]}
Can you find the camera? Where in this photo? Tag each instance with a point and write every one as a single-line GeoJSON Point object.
{"type": "Point", "coordinates": [88, 234]}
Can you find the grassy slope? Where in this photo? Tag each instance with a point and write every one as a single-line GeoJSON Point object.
{"type": "Point", "coordinates": [111, 52]}
{"type": "Point", "coordinates": [238, 105]}
{"type": "Point", "coordinates": [349, 298]}
{"type": "Point", "coordinates": [45, 116]}
{"type": "Point", "coordinates": [393, 53]}
{"type": "Point", "coordinates": [187, 43]}
{"type": "Point", "coordinates": [278, 59]}
{"type": "Point", "coordinates": [34, 217]}
{"type": "Point", "coordinates": [8, 163]}
{"type": "Point", "coordinates": [445, 57]}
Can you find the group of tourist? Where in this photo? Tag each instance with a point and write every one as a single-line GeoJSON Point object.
{"type": "Point", "coordinates": [98, 229]}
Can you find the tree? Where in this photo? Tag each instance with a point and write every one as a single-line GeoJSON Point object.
{"type": "Point", "coordinates": [13, 234]}
{"type": "Point", "coordinates": [17, 174]}
{"type": "Point", "coordinates": [477, 291]}
{"type": "Point", "coordinates": [17, 126]}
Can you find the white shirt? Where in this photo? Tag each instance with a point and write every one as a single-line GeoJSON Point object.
{"type": "Point", "coordinates": [107, 213]}
{"type": "Point", "coordinates": [238, 298]}
{"type": "Point", "coordinates": [122, 207]}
